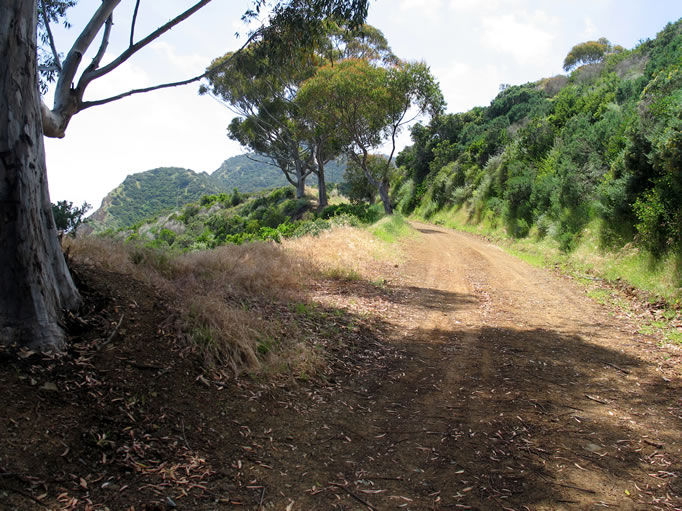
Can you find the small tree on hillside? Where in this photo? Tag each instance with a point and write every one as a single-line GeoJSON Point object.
{"type": "Point", "coordinates": [589, 52]}
{"type": "Point", "coordinates": [68, 217]}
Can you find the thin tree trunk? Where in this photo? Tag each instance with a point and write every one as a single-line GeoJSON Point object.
{"type": "Point", "coordinates": [383, 193]}
{"type": "Point", "coordinates": [322, 200]}
{"type": "Point", "coordinates": [36, 284]}
{"type": "Point", "coordinates": [300, 179]}
{"type": "Point", "coordinates": [321, 186]}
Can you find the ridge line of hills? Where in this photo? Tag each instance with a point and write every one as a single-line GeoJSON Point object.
{"type": "Point", "coordinates": [145, 195]}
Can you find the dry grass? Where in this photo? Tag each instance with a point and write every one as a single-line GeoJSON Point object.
{"type": "Point", "coordinates": [342, 252]}
{"type": "Point", "coordinates": [224, 297]}
{"type": "Point", "coordinates": [212, 291]}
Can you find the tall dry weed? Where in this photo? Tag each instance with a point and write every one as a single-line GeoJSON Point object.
{"type": "Point", "coordinates": [213, 290]}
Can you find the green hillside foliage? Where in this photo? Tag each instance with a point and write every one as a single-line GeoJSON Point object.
{"type": "Point", "coordinates": [251, 173]}
{"type": "Point", "coordinates": [235, 218]}
{"type": "Point", "coordinates": [248, 175]}
{"type": "Point", "coordinates": [146, 195]}
{"type": "Point", "coordinates": [550, 157]}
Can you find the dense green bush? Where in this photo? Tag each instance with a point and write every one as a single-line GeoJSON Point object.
{"type": "Point", "coordinates": [363, 212]}
{"type": "Point", "coordinates": [604, 143]}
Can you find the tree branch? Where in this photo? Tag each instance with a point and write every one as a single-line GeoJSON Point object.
{"type": "Point", "coordinates": [46, 21]}
{"type": "Point", "coordinates": [102, 47]}
{"type": "Point", "coordinates": [88, 77]}
{"type": "Point", "coordinates": [88, 104]}
{"type": "Point", "coordinates": [132, 24]}
{"type": "Point", "coordinates": [83, 42]}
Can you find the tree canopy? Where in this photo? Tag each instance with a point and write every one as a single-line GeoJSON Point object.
{"type": "Point", "coordinates": [366, 105]}
{"type": "Point", "coordinates": [261, 85]}
{"type": "Point", "coordinates": [589, 52]}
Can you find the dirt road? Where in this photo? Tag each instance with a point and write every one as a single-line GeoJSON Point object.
{"type": "Point", "coordinates": [508, 389]}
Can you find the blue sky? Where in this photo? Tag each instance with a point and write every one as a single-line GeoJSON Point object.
{"type": "Point", "coordinates": [472, 46]}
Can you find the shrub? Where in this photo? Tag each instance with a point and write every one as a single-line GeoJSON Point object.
{"type": "Point", "coordinates": [167, 236]}
{"type": "Point", "coordinates": [293, 208]}
{"type": "Point", "coordinates": [363, 212]}
{"type": "Point", "coordinates": [189, 212]}
{"type": "Point", "coordinates": [272, 218]}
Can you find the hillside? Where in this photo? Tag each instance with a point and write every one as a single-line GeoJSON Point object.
{"type": "Point", "coordinates": [147, 194]}
{"type": "Point", "coordinates": [601, 147]}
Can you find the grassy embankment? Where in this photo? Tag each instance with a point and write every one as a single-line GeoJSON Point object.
{"type": "Point", "coordinates": [244, 308]}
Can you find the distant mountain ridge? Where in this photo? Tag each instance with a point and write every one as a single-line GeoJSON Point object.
{"type": "Point", "coordinates": [147, 194]}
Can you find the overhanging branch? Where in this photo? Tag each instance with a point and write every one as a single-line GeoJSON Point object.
{"type": "Point", "coordinates": [123, 57]}
{"type": "Point", "coordinates": [132, 23]}
{"type": "Point", "coordinates": [75, 55]}
{"type": "Point", "coordinates": [103, 45]}
{"type": "Point", "coordinates": [88, 104]}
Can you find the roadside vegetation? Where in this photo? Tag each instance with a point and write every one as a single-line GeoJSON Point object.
{"type": "Point", "coordinates": [228, 263]}
{"type": "Point", "coordinates": [236, 218]}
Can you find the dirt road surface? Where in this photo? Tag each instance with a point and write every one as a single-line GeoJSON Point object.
{"type": "Point", "coordinates": [507, 388]}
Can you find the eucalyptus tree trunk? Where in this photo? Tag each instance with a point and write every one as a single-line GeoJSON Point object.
{"type": "Point", "coordinates": [322, 201]}
{"type": "Point", "coordinates": [36, 284]}
{"type": "Point", "coordinates": [385, 198]}
{"type": "Point", "coordinates": [300, 179]}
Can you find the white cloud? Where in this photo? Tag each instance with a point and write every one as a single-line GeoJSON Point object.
{"type": "Point", "coordinates": [590, 32]}
{"type": "Point", "coordinates": [523, 36]}
{"type": "Point", "coordinates": [425, 8]}
{"type": "Point", "coordinates": [185, 65]}
{"type": "Point", "coordinates": [474, 5]}
{"type": "Point", "coordinates": [465, 86]}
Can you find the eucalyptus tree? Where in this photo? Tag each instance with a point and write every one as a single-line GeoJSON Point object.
{"type": "Point", "coordinates": [366, 105]}
{"type": "Point", "coordinates": [590, 52]}
{"type": "Point", "coordinates": [36, 283]}
{"type": "Point", "coordinates": [260, 85]}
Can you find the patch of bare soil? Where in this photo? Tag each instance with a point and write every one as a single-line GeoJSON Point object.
{"type": "Point", "coordinates": [462, 379]}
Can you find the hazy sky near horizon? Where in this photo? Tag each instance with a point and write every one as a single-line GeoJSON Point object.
{"type": "Point", "coordinates": [472, 46]}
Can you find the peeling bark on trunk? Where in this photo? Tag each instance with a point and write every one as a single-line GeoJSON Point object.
{"type": "Point", "coordinates": [36, 284]}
